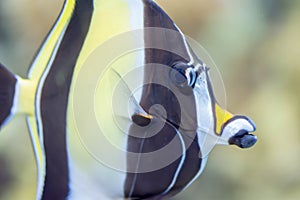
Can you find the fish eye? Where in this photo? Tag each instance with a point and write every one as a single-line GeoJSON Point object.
{"type": "Point", "coordinates": [178, 74]}
{"type": "Point", "coordinates": [183, 75]}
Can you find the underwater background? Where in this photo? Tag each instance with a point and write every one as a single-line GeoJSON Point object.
{"type": "Point", "coordinates": [256, 46]}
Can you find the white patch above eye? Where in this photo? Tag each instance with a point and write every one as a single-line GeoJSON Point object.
{"type": "Point", "coordinates": [201, 67]}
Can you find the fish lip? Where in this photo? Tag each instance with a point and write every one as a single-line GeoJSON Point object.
{"type": "Point", "coordinates": [243, 139]}
{"type": "Point", "coordinates": [238, 131]}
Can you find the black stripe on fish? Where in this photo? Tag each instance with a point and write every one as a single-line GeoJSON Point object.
{"type": "Point", "coordinates": [174, 177]}
{"type": "Point", "coordinates": [149, 184]}
{"type": "Point", "coordinates": [7, 92]}
{"type": "Point", "coordinates": [54, 102]}
{"type": "Point", "coordinates": [190, 168]}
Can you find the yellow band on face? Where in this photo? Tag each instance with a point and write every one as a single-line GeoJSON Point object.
{"type": "Point", "coordinates": [222, 116]}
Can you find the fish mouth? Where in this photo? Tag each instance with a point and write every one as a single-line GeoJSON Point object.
{"type": "Point", "coordinates": [237, 131]}
{"type": "Point", "coordinates": [243, 139]}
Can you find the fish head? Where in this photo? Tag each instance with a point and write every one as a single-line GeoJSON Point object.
{"type": "Point", "coordinates": [219, 124]}
{"type": "Point", "coordinates": [182, 93]}
{"type": "Point", "coordinates": [183, 89]}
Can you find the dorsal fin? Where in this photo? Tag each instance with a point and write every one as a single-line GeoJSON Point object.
{"type": "Point", "coordinates": [138, 114]}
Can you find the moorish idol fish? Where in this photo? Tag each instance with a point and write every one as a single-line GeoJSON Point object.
{"type": "Point", "coordinates": [118, 105]}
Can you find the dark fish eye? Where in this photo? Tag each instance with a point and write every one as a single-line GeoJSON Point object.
{"type": "Point", "coordinates": [178, 74]}
{"type": "Point", "coordinates": [183, 75]}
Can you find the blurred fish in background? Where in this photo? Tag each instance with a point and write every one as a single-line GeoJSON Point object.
{"type": "Point", "coordinates": [255, 45]}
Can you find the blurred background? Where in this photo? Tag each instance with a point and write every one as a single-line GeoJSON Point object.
{"type": "Point", "coordinates": [255, 45]}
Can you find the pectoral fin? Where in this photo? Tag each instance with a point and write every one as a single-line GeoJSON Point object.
{"type": "Point", "coordinates": [127, 107]}
{"type": "Point", "coordinates": [141, 120]}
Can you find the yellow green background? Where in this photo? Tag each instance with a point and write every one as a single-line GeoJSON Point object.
{"type": "Point", "coordinates": [256, 46]}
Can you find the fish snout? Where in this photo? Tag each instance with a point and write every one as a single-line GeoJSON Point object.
{"type": "Point", "coordinates": [237, 131]}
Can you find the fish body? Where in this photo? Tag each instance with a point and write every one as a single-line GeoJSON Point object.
{"type": "Point", "coordinates": [118, 105]}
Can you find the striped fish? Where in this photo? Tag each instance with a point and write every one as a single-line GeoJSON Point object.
{"type": "Point", "coordinates": [174, 120]}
